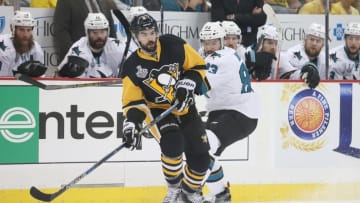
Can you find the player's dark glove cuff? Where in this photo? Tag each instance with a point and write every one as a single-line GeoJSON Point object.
{"type": "Point", "coordinates": [310, 74]}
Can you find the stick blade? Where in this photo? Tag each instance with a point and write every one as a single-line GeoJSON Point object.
{"type": "Point", "coordinates": [29, 80]}
{"type": "Point", "coordinates": [37, 194]}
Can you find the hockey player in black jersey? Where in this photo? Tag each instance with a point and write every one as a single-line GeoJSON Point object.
{"type": "Point", "coordinates": [165, 69]}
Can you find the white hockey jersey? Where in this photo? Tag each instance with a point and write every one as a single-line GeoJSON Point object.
{"type": "Point", "coordinates": [341, 66]}
{"type": "Point", "coordinates": [230, 84]}
{"type": "Point", "coordinates": [10, 60]}
{"type": "Point", "coordinates": [295, 57]}
{"type": "Point", "coordinates": [241, 50]}
{"type": "Point", "coordinates": [108, 62]}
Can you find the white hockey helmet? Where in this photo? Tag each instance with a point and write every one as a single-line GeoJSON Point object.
{"type": "Point", "coordinates": [268, 32]}
{"type": "Point", "coordinates": [96, 21]}
{"type": "Point", "coordinates": [317, 30]}
{"type": "Point", "coordinates": [136, 11]}
{"type": "Point", "coordinates": [22, 18]}
{"type": "Point", "coordinates": [353, 28]}
{"type": "Point", "coordinates": [231, 28]}
{"type": "Point", "coordinates": [212, 30]}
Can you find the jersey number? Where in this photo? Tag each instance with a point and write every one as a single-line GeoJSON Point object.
{"type": "Point", "coordinates": [212, 68]}
{"type": "Point", "coordinates": [245, 79]}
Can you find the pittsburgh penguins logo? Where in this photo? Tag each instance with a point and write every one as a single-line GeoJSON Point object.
{"type": "Point", "coordinates": [163, 81]}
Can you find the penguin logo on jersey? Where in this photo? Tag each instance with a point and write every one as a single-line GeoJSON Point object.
{"type": "Point", "coordinates": [163, 81]}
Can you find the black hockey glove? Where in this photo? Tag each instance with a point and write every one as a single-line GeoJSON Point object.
{"type": "Point", "coordinates": [310, 74]}
{"type": "Point", "coordinates": [131, 136]}
{"type": "Point", "coordinates": [184, 93]}
{"type": "Point", "coordinates": [31, 68]}
{"type": "Point", "coordinates": [74, 67]}
{"type": "Point", "coordinates": [259, 64]}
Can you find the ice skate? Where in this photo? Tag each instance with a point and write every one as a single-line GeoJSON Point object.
{"type": "Point", "coordinates": [223, 197]}
{"type": "Point", "coordinates": [172, 194]}
{"type": "Point", "coordinates": [187, 197]}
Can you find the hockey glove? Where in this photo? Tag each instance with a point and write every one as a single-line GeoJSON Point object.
{"type": "Point", "coordinates": [184, 93]}
{"type": "Point", "coordinates": [31, 68]}
{"type": "Point", "coordinates": [310, 74]}
{"type": "Point", "coordinates": [131, 136]}
{"type": "Point", "coordinates": [74, 67]}
{"type": "Point", "coordinates": [259, 64]}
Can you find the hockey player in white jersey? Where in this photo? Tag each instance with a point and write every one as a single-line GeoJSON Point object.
{"type": "Point", "coordinates": [230, 104]}
{"type": "Point", "coordinates": [95, 55]}
{"type": "Point", "coordinates": [233, 37]}
{"type": "Point", "coordinates": [261, 59]}
{"type": "Point", "coordinates": [19, 52]}
{"type": "Point", "coordinates": [306, 60]}
{"type": "Point", "coordinates": [345, 59]}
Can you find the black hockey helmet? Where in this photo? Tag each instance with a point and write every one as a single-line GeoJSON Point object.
{"type": "Point", "coordinates": [143, 22]}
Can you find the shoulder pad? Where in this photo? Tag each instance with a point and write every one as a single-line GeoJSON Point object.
{"type": "Point", "coordinates": [172, 38]}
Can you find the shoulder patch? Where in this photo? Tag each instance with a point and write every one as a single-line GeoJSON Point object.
{"type": "Point", "coordinates": [298, 55]}
{"type": "Point", "coordinates": [116, 41]}
{"type": "Point", "coordinates": [76, 50]}
{"type": "Point", "coordinates": [333, 57]}
{"type": "Point", "coordinates": [2, 45]}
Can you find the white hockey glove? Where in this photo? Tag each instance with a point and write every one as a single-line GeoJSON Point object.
{"type": "Point", "coordinates": [184, 93]}
{"type": "Point", "coordinates": [131, 136]}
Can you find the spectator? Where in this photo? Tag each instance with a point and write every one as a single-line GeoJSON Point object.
{"type": "Point", "coordinates": [19, 52]}
{"type": "Point", "coordinates": [69, 17]}
{"type": "Point", "coordinates": [356, 5]}
{"type": "Point", "coordinates": [43, 3]}
{"type": "Point", "coordinates": [96, 55]}
{"type": "Point", "coordinates": [344, 59]}
{"type": "Point", "coordinates": [343, 7]}
{"type": "Point", "coordinates": [285, 6]}
{"type": "Point", "coordinates": [315, 7]}
{"type": "Point", "coordinates": [4, 3]}
{"type": "Point", "coordinates": [152, 5]}
{"type": "Point", "coordinates": [184, 5]}
{"type": "Point", "coordinates": [306, 60]}
{"type": "Point", "coordinates": [247, 14]}
{"type": "Point", "coordinates": [261, 59]}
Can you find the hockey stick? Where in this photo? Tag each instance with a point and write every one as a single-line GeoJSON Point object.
{"type": "Point", "coordinates": [37, 194]}
{"type": "Point", "coordinates": [161, 19]}
{"type": "Point", "coordinates": [269, 11]}
{"type": "Point", "coordinates": [41, 85]}
{"type": "Point", "coordinates": [122, 19]}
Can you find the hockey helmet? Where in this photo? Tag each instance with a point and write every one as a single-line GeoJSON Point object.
{"type": "Point", "coordinates": [22, 18]}
{"type": "Point", "coordinates": [317, 30]}
{"type": "Point", "coordinates": [136, 11]}
{"type": "Point", "coordinates": [231, 28]}
{"type": "Point", "coordinates": [96, 21]}
{"type": "Point", "coordinates": [268, 32]}
{"type": "Point", "coordinates": [353, 28]}
{"type": "Point", "coordinates": [212, 30]}
{"type": "Point", "coordinates": [143, 22]}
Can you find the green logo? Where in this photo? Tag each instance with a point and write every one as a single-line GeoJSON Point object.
{"type": "Point", "coordinates": [19, 129]}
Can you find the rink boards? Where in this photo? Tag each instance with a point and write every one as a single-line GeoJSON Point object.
{"type": "Point", "coordinates": [290, 156]}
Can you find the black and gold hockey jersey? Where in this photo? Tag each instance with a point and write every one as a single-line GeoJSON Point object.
{"type": "Point", "coordinates": [150, 81]}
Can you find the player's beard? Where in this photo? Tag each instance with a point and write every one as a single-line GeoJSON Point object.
{"type": "Point", "coordinates": [312, 52]}
{"type": "Point", "coordinates": [149, 47]}
{"type": "Point", "coordinates": [353, 50]}
{"type": "Point", "coordinates": [97, 44]}
{"type": "Point", "coordinates": [23, 45]}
